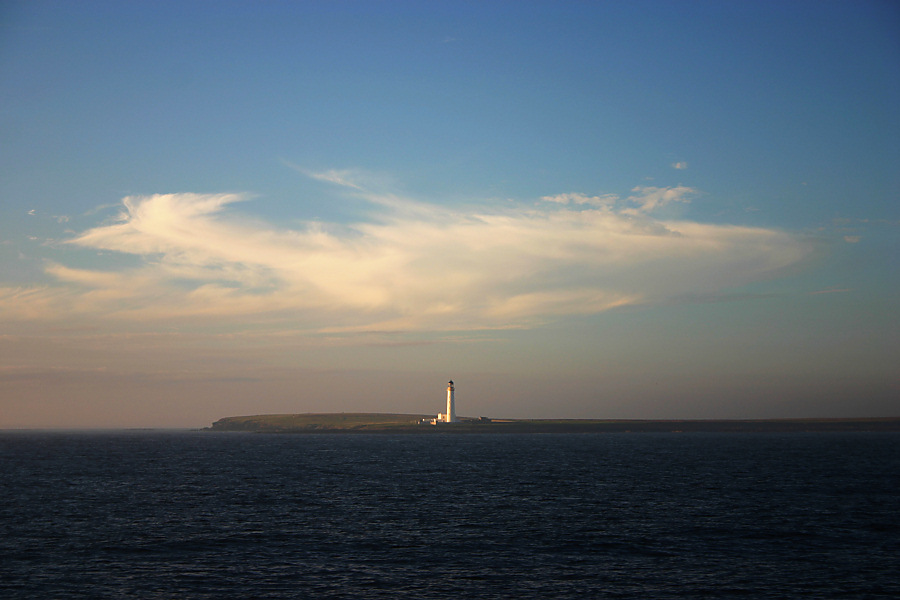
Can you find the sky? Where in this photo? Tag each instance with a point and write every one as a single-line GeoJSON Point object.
{"type": "Point", "coordinates": [648, 210]}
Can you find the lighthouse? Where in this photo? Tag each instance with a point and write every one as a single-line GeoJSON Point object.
{"type": "Point", "coordinates": [451, 404]}
{"type": "Point", "coordinates": [450, 415]}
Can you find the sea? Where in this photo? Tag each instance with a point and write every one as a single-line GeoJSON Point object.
{"type": "Point", "coordinates": [199, 514]}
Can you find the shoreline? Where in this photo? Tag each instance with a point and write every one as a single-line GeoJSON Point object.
{"type": "Point", "coordinates": [408, 424]}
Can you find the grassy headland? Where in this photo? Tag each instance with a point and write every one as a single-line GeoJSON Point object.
{"type": "Point", "coordinates": [406, 423]}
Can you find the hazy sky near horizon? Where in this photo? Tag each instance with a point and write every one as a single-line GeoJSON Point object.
{"type": "Point", "coordinates": [572, 209]}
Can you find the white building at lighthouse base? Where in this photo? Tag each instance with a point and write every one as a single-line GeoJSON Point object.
{"type": "Point", "coordinates": [450, 415]}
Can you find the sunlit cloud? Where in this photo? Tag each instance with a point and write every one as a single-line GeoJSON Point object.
{"type": "Point", "coordinates": [411, 266]}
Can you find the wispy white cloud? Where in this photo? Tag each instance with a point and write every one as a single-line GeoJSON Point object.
{"type": "Point", "coordinates": [411, 266]}
{"type": "Point", "coordinates": [643, 199]}
{"type": "Point", "coordinates": [349, 178]}
{"type": "Point", "coordinates": [58, 218]}
{"type": "Point", "coordinates": [582, 199]}
{"type": "Point", "coordinates": [100, 208]}
{"type": "Point", "coordinates": [339, 177]}
{"type": "Point", "coordinates": [649, 198]}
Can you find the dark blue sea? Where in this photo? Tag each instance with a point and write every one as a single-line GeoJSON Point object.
{"type": "Point", "coordinates": [238, 515]}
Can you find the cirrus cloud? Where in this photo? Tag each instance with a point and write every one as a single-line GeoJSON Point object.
{"type": "Point", "coordinates": [410, 266]}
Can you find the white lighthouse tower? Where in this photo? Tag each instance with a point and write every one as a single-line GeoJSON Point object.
{"type": "Point", "coordinates": [450, 417]}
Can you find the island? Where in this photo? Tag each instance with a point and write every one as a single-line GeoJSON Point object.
{"type": "Point", "coordinates": [423, 424]}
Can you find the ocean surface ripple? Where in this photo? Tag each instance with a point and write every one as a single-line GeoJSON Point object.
{"type": "Point", "coordinates": [232, 515]}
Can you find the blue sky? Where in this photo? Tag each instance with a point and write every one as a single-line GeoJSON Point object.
{"type": "Point", "coordinates": [623, 210]}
